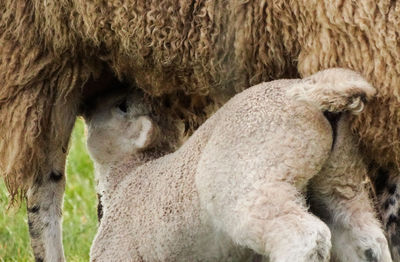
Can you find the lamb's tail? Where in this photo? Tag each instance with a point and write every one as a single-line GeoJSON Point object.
{"type": "Point", "coordinates": [334, 90]}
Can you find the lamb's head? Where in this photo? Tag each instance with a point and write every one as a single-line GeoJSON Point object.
{"type": "Point", "coordinates": [119, 126]}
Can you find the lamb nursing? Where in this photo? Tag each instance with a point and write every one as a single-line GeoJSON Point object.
{"type": "Point", "coordinates": [237, 186]}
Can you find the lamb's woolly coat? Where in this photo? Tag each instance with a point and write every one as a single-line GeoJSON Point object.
{"type": "Point", "coordinates": [152, 206]}
{"type": "Point", "coordinates": [236, 183]}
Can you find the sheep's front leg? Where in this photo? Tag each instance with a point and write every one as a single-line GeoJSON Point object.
{"type": "Point", "coordinates": [44, 208]}
{"type": "Point", "coordinates": [338, 194]}
{"type": "Point", "coordinates": [45, 195]}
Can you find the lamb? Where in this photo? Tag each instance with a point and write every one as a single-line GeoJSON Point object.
{"type": "Point", "coordinates": [197, 54]}
{"type": "Point", "coordinates": [236, 186]}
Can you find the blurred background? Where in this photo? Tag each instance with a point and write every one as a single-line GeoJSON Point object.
{"type": "Point", "coordinates": [79, 212]}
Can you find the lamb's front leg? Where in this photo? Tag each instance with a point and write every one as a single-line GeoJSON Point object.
{"type": "Point", "coordinates": [338, 194]}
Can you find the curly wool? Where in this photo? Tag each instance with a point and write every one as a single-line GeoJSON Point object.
{"type": "Point", "coordinates": [198, 53]}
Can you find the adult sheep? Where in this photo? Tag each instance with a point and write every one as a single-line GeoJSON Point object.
{"type": "Point", "coordinates": [238, 185]}
{"type": "Point", "coordinates": [196, 53]}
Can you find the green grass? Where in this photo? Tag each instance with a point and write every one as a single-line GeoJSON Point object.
{"type": "Point", "coordinates": [79, 213]}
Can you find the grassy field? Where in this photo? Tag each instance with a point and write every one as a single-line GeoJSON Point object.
{"type": "Point", "coordinates": [79, 214]}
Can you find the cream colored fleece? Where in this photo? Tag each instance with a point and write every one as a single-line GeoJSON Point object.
{"type": "Point", "coordinates": [235, 188]}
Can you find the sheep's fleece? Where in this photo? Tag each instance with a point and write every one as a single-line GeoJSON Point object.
{"type": "Point", "coordinates": [236, 187]}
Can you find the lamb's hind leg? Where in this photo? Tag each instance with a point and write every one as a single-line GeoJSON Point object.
{"type": "Point", "coordinates": [339, 196]}
{"type": "Point", "coordinates": [269, 217]}
{"type": "Point", "coordinates": [273, 220]}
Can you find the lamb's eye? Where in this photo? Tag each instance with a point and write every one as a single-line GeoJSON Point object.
{"type": "Point", "coordinates": [123, 106]}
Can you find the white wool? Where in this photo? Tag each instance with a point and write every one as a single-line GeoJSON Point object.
{"type": "Point", "coordinates": [236, 187]}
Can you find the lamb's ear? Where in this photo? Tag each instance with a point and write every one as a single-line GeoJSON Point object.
{"type": "Point", "coordinates": [147, 132]}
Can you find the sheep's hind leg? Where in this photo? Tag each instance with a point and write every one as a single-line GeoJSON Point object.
{"type": "Point", "coordinates": [387, 186]}
{"type": "Point", "coordinates": [273, 220]}
{"type": "Point", "coordinates": [356, 233]}
{"type": "Point", "coordinates": [338, 194]}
